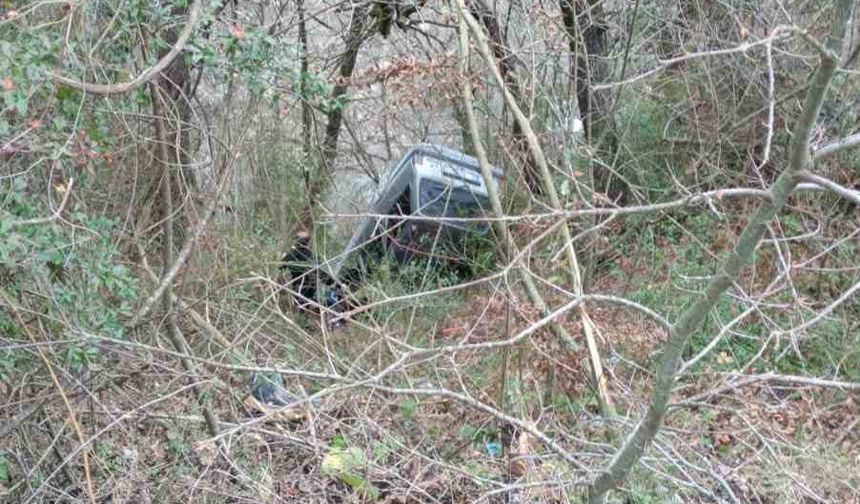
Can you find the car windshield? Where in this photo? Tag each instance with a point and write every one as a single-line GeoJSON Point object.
{"type": "Point", "coordinates": [439, 199]}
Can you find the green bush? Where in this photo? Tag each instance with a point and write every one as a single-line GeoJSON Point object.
{"type": "Point", "coordinates": [67, 272]}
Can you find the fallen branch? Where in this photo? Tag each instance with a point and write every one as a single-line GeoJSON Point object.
{"type": "Point", "coordinates": [742, 380]}
{"type": "Point", "coordinates": [798, 380]}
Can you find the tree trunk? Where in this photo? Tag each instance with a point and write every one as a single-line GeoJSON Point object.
{"type": "Point", "coordinates": [585, 26]}
{"type": "Point", "coordinates": [319, 183]}
{"type": "Point", "coordinates": [174, 86]}
{"type": "Point", "coordinates": [504, 59]}
{"type": "Point", "coordinates": [306, 107]}
{"type": "Point", "coordinates": [171, 92]}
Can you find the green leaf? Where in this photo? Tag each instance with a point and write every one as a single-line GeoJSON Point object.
{"type": "Point", "coordinates": [408, 407]}
{"type": "Point", "coordinates": [345, 465]}
{"type": "Point", "coordinates": [4, 468]}
{"type": "Point", "coordinates": [339, 442]}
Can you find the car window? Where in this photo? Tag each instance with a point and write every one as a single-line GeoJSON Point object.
{"type": "Point", "coordinates": [439, 199]}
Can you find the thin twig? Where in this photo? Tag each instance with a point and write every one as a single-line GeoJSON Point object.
{"type": "Point", "coordinates": [823, 313]}
{"type": "Point", "coordinates": [779, 33]}
{"type": "Point", "coordinates": [849, 194]}
{"type": "Point", "coordinates": [73, 419]}
{"type": "Point", "coordinates": [54, 216]}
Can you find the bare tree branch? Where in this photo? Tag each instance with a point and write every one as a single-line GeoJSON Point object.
{"type": "Point", "coordinates": [823, 313]}
{"type": "Point", "coordinates": [573, 270]}
{"type": "Point", "coordinates": [849, 194]}
{"type": "Point", "coordinates": [707, 197]}
{"type": "Point", "coordinates": [148, 74]}
{"type": "Point", "coordinates": [837, 146]}
{"type": "Point", "coordinates": [742, 254]}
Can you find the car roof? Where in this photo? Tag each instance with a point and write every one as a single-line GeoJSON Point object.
{"type": "Point", "coordinates": [443, 152]}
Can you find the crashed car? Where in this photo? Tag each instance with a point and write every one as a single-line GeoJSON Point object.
{"type": "Point", "coordinates": [407, 219]}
